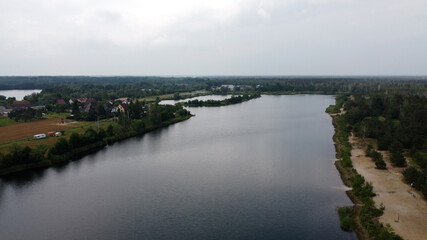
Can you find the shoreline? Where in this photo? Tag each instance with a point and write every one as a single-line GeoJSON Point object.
{"type": "Point", "coordinates": [83, 151]}
{"type": "Point", "coordinates": [345, 176]}
{"type": "Point", "coordinates": [363, 216]}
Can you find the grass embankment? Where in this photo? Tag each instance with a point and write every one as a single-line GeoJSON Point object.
{"type": "Point", "coordinates": [56, 115]}
{"type": "Point", "coordinates": [363, 216]}
{"type": "Point", "coordinates": [5, 121]}
{"type": "Point", "coordinates": [65, 149]}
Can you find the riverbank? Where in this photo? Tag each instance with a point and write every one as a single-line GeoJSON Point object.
{"type": "Point", "coordinates": [407, 215]}
{"type": "Point", "coordinates": [82, 151]}
{"type": "Point", "coordinates": [365, 214]}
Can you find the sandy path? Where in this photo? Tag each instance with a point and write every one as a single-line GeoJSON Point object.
{"type": "Point", "coordinates": [407, 215]}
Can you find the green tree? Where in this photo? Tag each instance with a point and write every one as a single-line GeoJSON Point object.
{"type": "Point", "coordinates": [75, 140]}
{"type": "Point", "coordinates": [397, 157]}
{"type": "Point", "coordinates": [138, 125]}
{"type": "Point", "coordinates": [102, 134]}
{"type": "Point", "coordinates": [110, 130]}
{"type": "Point", "coordinates": [135, 111]}
{"type": "Point", "coordinates": [60, 147]}
{"type": "Point", "coordinates": [37, 153]}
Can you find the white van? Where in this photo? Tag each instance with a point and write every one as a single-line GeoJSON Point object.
{"type": "Point", "coordinates": [39, 136]}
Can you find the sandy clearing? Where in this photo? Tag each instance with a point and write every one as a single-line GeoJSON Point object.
{"type": "Point", "coordinates": [407, 215]}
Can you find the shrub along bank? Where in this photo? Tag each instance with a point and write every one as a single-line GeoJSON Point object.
{"type": "Point", "coordinates": [363, 216]}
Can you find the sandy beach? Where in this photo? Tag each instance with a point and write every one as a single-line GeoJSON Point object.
{"type": "Point", "coordinates": [406, 214]}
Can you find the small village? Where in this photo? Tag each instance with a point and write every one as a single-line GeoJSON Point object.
{"type": "Point", "coordinates": [50, 120]}
{"type": "Point", "coordinates": [17, 109]}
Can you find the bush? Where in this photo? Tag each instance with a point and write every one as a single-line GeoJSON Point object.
{"type": "Point", "coordinates": [60, 147]}
{"type": "Point", "coordinates": [397, 158]}
{"type": "Point", "coordinates": [75, 140]}
{"type": "Point", "coordinates": [411, 174]}
{"type": "Point", "coordinates": [346, 220]}
{"type": "Point", "coordinates": [37, 154]}
{"type": "Point", "coordinates": [380, 164]}
{"type": "Point", "coordinates": [138, 125]}
{"type": "Point", "coordinates": [110, 131]}
{"type": "Point", "coordinates": [90, 136]}
{"type": "Point", "coordinates": [102, 134]}
{"type": "Point", "coordinates": [377, 157]}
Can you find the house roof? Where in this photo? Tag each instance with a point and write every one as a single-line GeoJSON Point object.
{"type": "Point", "coordinates": [60, 101]}
{"type": "Point", "coordinates": [87, 104]}
{"type": "Point", "coordinates": [21, 104]}
{"type": "Point", "coordinates": [123, 105]}
{"type": "Point", "coordinates": [84, 100]}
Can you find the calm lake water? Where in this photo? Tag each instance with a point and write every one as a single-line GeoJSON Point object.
{"type": "Point", "coordinates": [262, 169]}
{"type": "Point", "coordinates": [18, 94]}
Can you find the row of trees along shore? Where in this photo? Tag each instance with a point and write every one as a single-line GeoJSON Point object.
{"type": "Point", "coordinates": [363, 216]}
{"type": "Point", "coordinates": [225, 102]}
{"type": "Point", "coordinates": [19, 158]}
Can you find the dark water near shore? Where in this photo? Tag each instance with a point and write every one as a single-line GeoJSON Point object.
{"type": "Point", "coordinates": [262, 169]}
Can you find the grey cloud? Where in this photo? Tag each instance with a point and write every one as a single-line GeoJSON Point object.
{"type": "Point", "coordinates": [219, 37]}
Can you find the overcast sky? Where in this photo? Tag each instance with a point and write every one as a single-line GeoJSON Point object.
{"type": "Point", "coordinates": [213, 37]}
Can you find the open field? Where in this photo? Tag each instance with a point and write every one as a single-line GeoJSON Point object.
{"type": "Point", "coordinates": [56, 115]}
{"type": "Point", "coordinates": [5, 121]}
{"type": "Point", "coordinates": [406, 214]}
{"type": "Point", "coordinates": [28, 129]}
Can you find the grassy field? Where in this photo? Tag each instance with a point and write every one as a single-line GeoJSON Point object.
{"type": "Point", "coordinates": [22, 133]}
{"type": "Point", "coordinates": [5, 121]}
{"type": "Point", "coordinates": [56, 115]}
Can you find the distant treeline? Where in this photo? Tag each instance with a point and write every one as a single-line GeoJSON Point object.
{"type": "Point", "coordinates": [132, 86]}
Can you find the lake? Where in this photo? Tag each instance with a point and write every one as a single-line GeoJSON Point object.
{"type": "Point", "coordinates": [262, 169]}
{"type": "Point", "coordinates": [18, 94]}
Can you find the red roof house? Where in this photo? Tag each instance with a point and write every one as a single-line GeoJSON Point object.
{"type": "Point", "coordinates": [60, 101]}
{"type": "Point", "coordinates": [21, 104]}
